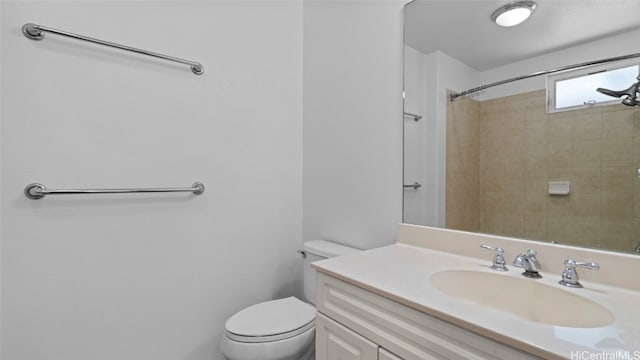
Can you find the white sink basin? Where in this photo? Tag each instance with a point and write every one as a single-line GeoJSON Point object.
{"type": "Point", "coordinates": [526, 298]}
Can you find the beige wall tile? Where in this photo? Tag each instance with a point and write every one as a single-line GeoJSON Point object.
{"type": "Point", "coordinates": [513, 225]}
{"type": "Point", "coordinates": [585, 205]}
{"type": "Point", "coordinates": [494, 179]}
{"type": "Point", "coordinates": [586, 180]}
{"type": "Point", "coordinates": [492, 203]}
{"type": "Point", "coordinates": [494, 124]}
{"type": "Point", "coordinates": [617, 152]}
{"type": "Point", "coordinates": [536, 182]}
{"type": "Point", "coordinates": [560, 155]}
{"type": "Point", "coordinates": [514, 203]}
{"type": "Point", "coordinates": [617, 236]}
{"type": "Point", "coordinates": [561, 229]}
{"type": "Point", "coordinates": [617, 181]}
{"type": "Point", "coordinates": [520, 148]}
{"type": "Point", "coordinates": [536, 101]}
{"type": "Point", "coordinates": [536, 158]}
{"type": "Point", "coordinates": [536, 131]}
{"type": "Point", "coordinates": [491, 223]}
{"type": "Point", "coordinates": [559, 205]}
{"type": "Point", "coordinates": [560, 129]}
{"type": "Point", "coordinates": [617, 209]}
{"type": "Point", "coordinates": [560, 174]}
{"type": "Point", "coordinates": [514, 158]}
{"type": "Point", "coordinates": [482, 108]}
{"type": "Point", "coordinates": [535, 203]}
{"type": "Point", "coordinates": [586, 231]}
{"type": "Point", "coordinates": [587, 127]}
{"type": "Point", "coordinates": [587, 154]}
{"type": "Point", "coordinates": [514, 134]}
{"type": "Point", "coordinates": [495, 106]}
{"type": "Point", "coordinates": [514, 178]}
{"type": "Point", "coordinates": [636, 201]}
{"type": "Point", "coordinates": [635, 230]}
{"type": "Point", "coordinates": [617, 124]}
{"type": "Point", "coordinates": [636, 151]}
{"type": "Point", "coordinates": [462, 158]}
{"type": "Point", "coordinates": [564, 114]}
{"type": "Point", "coordinates": [617, 106]}
{"type": "Point", "coordinates": [535, 227]}
{"type": "Point", "coordinates": [494, 155]}
{"type": "Point", "coordinates": [514, 112]}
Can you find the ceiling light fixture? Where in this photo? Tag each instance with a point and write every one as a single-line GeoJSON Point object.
{"type": "Point", "coordinates": [513, 13]}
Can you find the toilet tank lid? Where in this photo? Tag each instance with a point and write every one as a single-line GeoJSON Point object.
{"type": "Point", "coordinates": [327, 249]}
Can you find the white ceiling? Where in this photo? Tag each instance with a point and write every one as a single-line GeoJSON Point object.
{"type": "Point", "coordinates": [463, 28]}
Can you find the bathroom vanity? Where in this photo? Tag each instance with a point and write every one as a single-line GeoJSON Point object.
{"type": "Point", "coordinates": [432, 295]}
{"type": "Point", "coordinates": [389, 328]}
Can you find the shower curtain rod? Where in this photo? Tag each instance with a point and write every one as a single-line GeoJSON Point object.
{"type": "Point", "coordinates": [564, 68]}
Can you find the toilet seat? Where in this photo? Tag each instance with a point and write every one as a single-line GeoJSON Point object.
{"type": "Point", "coordinates": [271, 321]}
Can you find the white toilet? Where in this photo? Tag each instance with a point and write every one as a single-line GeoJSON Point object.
{"type": "Point", "coordinates": [282, 329]}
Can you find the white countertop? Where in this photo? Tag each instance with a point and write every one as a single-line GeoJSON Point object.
{"type": "Point", "coordinates": [401, 272]}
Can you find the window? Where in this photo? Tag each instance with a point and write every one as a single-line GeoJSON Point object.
{"type": "Point", "coordinates": [577, 89]}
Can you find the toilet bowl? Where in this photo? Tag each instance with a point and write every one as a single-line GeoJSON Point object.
{"type": "Point", "coordinates": [281, 329]}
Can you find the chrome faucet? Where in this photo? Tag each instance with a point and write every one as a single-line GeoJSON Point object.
{"type": "Point", "coordinates": [570, 275]}
{"type": "Point", "coordinates": [530, 263]}
{"type": "Point", "coordinates": [498, 259]}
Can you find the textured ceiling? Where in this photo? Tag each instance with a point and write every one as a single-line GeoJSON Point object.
{"type": "Point", "coordinates": [463, 28]}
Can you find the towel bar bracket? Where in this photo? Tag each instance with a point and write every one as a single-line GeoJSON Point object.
{"type": "Point", "coordinates": [34, 191]}
{"type": "Point", "coordinates": [32, 32]}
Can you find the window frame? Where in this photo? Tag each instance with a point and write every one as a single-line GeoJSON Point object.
{"type": "Point", "coordinates": [552, 79]}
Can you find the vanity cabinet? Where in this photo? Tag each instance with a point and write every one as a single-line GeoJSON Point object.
{"type": "Point", "coordinates": [385, 355]}
{"type": "Point", "coordinates": [334, 341]}
{"type": "Point", "coordinates": [354, 323]}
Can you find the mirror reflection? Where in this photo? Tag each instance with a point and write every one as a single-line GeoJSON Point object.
{"type": "Point", "coordinates": [553, 157]}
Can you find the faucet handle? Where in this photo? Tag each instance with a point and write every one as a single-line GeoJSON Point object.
{"type": "Point", "coordinates": [570, 276]}
{"type": "Point", "coordinates": [586, 265]}
{"type": "Point", "coordinates": [498, 259]}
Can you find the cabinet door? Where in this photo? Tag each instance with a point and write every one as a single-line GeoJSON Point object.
{"type": "Point", "coordinates": [385, 355]}
{"type": "Point", "coordinates": [336, 342]}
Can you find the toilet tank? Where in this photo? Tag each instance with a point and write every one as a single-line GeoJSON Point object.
{"type": "Point", "coordinates": [318, 250]}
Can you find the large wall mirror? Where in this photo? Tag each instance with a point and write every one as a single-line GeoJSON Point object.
{"type": "Point", "coordinates": [545, 158]}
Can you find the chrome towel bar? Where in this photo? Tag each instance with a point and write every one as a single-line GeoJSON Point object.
{"type": "Point", "coordinates": [36, 32]}
{"type": "Point", "coordinates": [415, 186]}
{"type": "Point", "coordinates": [37, 191]}
{"type": "Point", "coordinates": [415, 117]}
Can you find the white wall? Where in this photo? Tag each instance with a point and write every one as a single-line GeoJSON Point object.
{"type": "Point", "coordinates": [148, 276]}
{"type": "Point", "coordinates": [419, 144]}
{"type": "Point", "coordinates": [352, 187]}
{"type": "Point", "coordinates": [440, 73]}
{"type": "Point", "coordinates": [0, 185]}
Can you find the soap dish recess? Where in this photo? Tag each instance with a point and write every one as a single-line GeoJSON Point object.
{"type": "Point", "coordinates": [559, 187]}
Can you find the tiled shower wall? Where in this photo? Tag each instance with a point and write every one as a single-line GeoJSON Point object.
{"type": "Point", "coordinates": [522, 148]}
{"type": "Point", "coordinates": [463, 156]}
